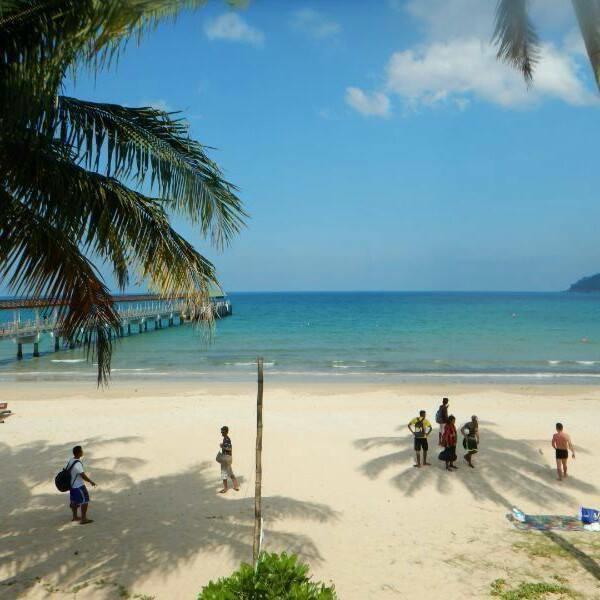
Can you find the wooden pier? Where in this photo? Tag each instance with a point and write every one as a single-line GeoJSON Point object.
{"type": "Point", "coordinates": [140, 311]}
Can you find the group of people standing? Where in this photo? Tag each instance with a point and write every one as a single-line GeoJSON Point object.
{"type": "Point", "coordinates": [420, 428]}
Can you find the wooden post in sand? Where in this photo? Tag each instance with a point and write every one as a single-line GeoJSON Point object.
{"type": "Point", "coordinates": [258, 484]}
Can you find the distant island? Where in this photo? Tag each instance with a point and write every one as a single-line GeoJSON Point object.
{"type": "Point", "coordinates": [587, 284]}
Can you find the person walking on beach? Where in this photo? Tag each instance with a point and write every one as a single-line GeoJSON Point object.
{"type": "Point", "coordinates": [448, 454]}
{"type": "Point", "coordinates": [441, 418]}
{"type": "Point", "coordinates": [420, 427]}
{"type": "Point", "coordinates": [78, 493]}
{"type": "Point", "coordinates": [470, 432]}
{"type": "Point", "coordinates": [561, 442]}
{"type": "Point", "coordinates": [226, 461]}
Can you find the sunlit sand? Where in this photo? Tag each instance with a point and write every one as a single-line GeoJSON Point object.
{"type": "Point", "coordinates": [339, 488]}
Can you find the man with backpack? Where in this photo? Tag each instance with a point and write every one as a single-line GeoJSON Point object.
{"type": "Point", "coordinates": [78, 494]}
{"type": "Point", "coordinates": [441, 418]}
{"type": "Point", "coordinates": [420, 427]}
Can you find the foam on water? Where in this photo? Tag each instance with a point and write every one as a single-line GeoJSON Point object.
{"type": "Point", "coordinates": [67, 360]}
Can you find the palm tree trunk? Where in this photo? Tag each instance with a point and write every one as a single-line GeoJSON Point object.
{"type": "Point", "coordinates": [588, 15]}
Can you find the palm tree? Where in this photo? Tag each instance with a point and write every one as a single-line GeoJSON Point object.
{"type": "Point", "coordinates": [518, 43]}
{"type": "Point", "coordinates": [84, 183]}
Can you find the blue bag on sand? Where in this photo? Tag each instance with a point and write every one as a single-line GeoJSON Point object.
{"type": "Point", "coordinates": [589, 515]}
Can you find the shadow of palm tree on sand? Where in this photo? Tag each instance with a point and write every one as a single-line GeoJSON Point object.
{"type": "Point", "coordinates": [508, 465]}
{"type": "Point", "coordinates": [164, 522]}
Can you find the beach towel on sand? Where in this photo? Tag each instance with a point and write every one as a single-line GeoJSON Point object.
{"type": "Point", "coordinates": [547, 523]}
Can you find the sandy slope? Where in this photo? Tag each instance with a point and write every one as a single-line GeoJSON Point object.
{"type": "Point", "coordinates": [339, 488]}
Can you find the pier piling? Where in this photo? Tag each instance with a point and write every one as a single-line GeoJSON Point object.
{"type": "Point", "coordinates": [19, 351]}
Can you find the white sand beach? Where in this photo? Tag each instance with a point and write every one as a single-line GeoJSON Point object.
{"type": "Point", "coordinates": [339, 489]}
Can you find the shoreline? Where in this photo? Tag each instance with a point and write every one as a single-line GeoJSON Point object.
{"type": "Point", "coordinates": [122, 388]}
{"type": "Point", "coordinates": [347, 380]}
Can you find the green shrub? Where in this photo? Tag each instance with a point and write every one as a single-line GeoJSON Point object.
{"type": "Point", "coordinates": [277, 577]}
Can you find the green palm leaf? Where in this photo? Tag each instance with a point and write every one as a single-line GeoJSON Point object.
{"type": "Point", "coordinates": [515, 37]}
{"type": "Point", "coordinates": [115, 223]}
{"type": "Point", "coordinates": [39, 259]}
{"type": "Point", "coordinates": [147, 145]}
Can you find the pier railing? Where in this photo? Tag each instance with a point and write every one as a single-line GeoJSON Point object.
{"type": "Point", "coordinates": [139, 314]}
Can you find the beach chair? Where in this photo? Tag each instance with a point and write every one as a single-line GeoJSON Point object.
{"type": "Point", "coordinates": [4, 412]}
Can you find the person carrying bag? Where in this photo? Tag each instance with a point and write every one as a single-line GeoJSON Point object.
{"type": "Point", "coordinates": [225, 459]}
{"type": "Point", "coordinates": [448, 454]}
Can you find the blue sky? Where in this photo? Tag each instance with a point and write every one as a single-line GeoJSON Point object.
{"type": "Point", "coordinates": [380, 145]}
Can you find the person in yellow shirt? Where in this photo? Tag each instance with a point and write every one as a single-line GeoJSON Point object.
{"type": "Point", "coordinates": [420, 427]}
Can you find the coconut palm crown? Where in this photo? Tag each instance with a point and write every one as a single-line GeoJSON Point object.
{"type": "Point", "coordinates": [518, 43]}
{"type": "Point", "coordinates": [84, 183]}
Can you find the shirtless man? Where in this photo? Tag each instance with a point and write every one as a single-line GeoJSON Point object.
{"type": "Point", "coordinates": [561, 442]}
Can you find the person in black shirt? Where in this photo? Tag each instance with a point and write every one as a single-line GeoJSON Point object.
{"type": "Point", "coordinates": [441, 417]}
{"type": "Point", "coordinates": [226, 460]}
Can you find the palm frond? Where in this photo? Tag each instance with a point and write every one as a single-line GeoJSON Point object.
{"type": "Point", "coordinates": [588, 16]}
{"type": "Point", "coordinates": [111, 221]}
{"type": "Point", "coordinates": [149, 146]}
{"type": "Point", "coordinates": [41, 40]}
{"type": "Point", "coordinates": [515, 37]}
{"type": "Point", "coordinates": [101, 21]}
{"type": "Point", "coordinates": [40, 260]}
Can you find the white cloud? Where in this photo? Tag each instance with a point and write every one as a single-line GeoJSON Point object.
{"type": "Point", "coordinates": [464, 69]}
{"type": "Point", "coordinates": [456, 63]}
{"type": "Point", "coordinates": [158, 104]}
{"type": "Point", "coordinates": [324, 113]}
{"type": "Point", "coordinates": [573, 43]}
{"type": "Point", "coordinates": [375, 104]}
{"type": "Point", "coordinates": [315, 24]}
{"type": "Point", "coordinates": [231, 27]}
{"type": "Point", "coordinates": [446, 19]}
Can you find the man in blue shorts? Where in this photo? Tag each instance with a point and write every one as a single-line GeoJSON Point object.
{"type": "Point", "coordinates": [78, 494]}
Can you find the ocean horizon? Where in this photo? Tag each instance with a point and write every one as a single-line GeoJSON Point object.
{"type": "Point", "coordinates": [359, 336]}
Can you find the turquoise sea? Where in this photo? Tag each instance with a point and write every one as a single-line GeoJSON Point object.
{"type": "Point", "coordinates": [538, 337]}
